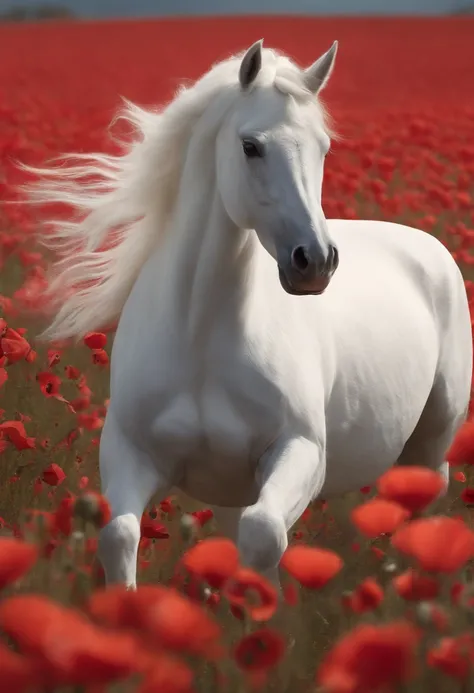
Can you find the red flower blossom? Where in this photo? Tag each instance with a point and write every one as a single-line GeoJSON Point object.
{"type": "Point", "coordinates": [14, 347]}
{"type": "Point", "coordinates": [14, 432]}
{"type": "Point", "coordinates": [202, 517]}
{"type": "Point", "coordinates": [68, 648]}
{"type": "Point", "coordinates": [371, 658]}
{"type": "Point", "coordinates": [54, 357]}
{"type": "Point", "coordinates": [412, 487]}
{"type": "Point", "coordinates": [166, 617]}
{"type": "Point", "coordinates": [19, 674]}
{"type": "Point", "coordinates": [72, 373]}
{"type": "Point", "coordinates": [311, 567]}
{"type": "Point", "coordinates": [93, 507]}
{"type": "Point", "coordinates": [366, 597]}
{"type": "Point", "coordinates": [467, 495]}
{"type": "Point", "coordinates": [243, 585]}
{"type": "Point", "coordinates": [213, 560]}
{"type": "Point", "coordinates": [151, 529]}
{"type": "Point", "coordinates": [95, 340]}
{"type": "Point", "coordinates": [454, 656]}
{"type": "Point", "coordinates": [16, 558]}
{"type": "Point", "coordinates": [462, 448]}
{"type": "Point", "coordinates": [439, 544]}
{"type": "Point", "coordinates": [63, 516]}
{"type": "Point", "coordinates": [49, 384]}
{"type": "Point", "coordinates": [100, 357]}
{"type": "Point", "coordinates": [260, 651]}
{"type": "Point", "coordinates": [414, 587]}
{"type": "Point", "coordinates": [167, 675]}
{"type": "Point", "coordinates": [53, 475]}
{"type": "Point", "coordinates": [378, 516]}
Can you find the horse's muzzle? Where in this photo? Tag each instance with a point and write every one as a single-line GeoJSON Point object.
{"type": "Point", "coordinates": [315, 288]}
{"type": "Point", "coordinates": [308, 273]}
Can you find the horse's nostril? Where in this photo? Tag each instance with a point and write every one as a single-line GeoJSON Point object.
{"type": "Point", "coordinates": [300, 258]}
{"type": "Point", "coordinates": [334, 257]}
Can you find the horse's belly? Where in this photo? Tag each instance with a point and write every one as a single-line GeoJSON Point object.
{"type": "Point", "coordinates": [351, 469]}
{"type": "Point", "coordinates": [370, 435]}
{"type": "Point", "coordinates": [218, 480]}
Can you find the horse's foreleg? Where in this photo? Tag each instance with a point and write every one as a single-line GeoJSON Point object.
{"type": "Point", "coordinates": [129, 480]}
{"type": "Point", "coordinates": [291, 474]}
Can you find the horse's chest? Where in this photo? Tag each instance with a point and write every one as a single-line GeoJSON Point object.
{"type": "Point", "coordinates": [214, 438]}
{"type": "Point", "coordinates": [232, 415]}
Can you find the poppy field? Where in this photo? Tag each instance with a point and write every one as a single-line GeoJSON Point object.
{"type": "Point", "coordinates": [377, 587]}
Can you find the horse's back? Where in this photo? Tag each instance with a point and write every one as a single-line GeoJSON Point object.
{"type": "Point", "coordinates": [399, 322]}
{"type": "Point", "coordinates": [384, 263]}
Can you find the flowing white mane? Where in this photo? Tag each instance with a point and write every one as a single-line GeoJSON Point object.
{"type": "Point", "coordinates": [133, 195]}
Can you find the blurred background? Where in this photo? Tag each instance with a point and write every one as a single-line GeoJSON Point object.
{"type": "Point", "coordinates": [16, 10]}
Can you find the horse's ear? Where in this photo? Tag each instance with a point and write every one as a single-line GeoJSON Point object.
{"type": "Point", "coordinates": [317, 75]}
{"type": "Point", "coordinates": [251, 64]}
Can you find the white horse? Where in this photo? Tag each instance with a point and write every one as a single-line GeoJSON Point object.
{"type": "Point", "coordinates": [251, 369]}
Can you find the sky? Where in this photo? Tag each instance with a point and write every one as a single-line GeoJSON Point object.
{"type": "Point", "coordinates": [144, 8]}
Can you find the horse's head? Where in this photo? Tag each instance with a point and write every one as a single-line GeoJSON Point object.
{"type": "Point", "coordinates": [270, 159]}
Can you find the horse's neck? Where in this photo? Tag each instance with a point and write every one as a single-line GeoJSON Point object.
{"type": "Point", "coordinates": [212, 263]}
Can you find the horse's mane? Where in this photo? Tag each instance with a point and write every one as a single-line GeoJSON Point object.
{"type": "Point", "coordinates": [132, 195]}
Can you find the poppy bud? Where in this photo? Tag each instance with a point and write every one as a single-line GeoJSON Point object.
{"type": "Point", "coordinates": [188, 527]}
{"type": "Point", "coordinates": [92, 507]}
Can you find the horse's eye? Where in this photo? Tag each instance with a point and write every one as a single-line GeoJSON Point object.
{"type": "Point", "coordinates": [251, 149]}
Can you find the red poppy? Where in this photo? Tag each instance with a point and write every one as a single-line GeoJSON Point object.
{"type": "Point", "coordinates": [462, 448]}
{"type": "Point", "coordinates": [454, 656]}
{"type": "Point", "coordinates": [213, 560]}
{"type": "Point", "coordinates": [72, 373]}
{"type": "Point", "coordinates": [63, 517]}
{"type": "Point", "coordinates": [14, 347]}
{"type": "Point", "coordinates": [166, 617]}
{"type": "Point", "coordinates": [68, 648]}
{"type": "Point", "coordinates": [94, 508]}
{"type": "Point", "coordinates": [203, 516]}
{"type": "Point", "coordinates": [439, 544]}
{"type": "Point", "coordinates": [14, 432]}
{"type": "Point", "coordinates": [367, 596]}
{"type": "Point", "coordinates": [49, 384]}
{"type": "Point", "coordinates": [167, 675]}
{"type": "Point", "coordinates": [467, 495]}
{"type": "Point", "coordinates": [151, 529]}
{"type": "Point", "coordinates": [100, 357]}
{"type": "Point", "coordinates": [54, 357]}
{"type": "Point", "coordinates": [110, 606]}
{"type": "Point", "coordinates": [246, 583]}
{"type": "Point", "coordinates": [53, 475]}
{"type": "Point", "coordinates": [414, 587]}
{"type": "Point", "coordinates": [459, 476]}
{"type": "Point", "coordinates": [95, 340]}
{"type": "Point", "coordinates": [16, 558]}
{"type": "Point", "coordinates": [371, 658]}
{"type": "Point", "coordinates": [260, 651]}
{"type": "Point", "coordinates": [378, 516]}
{"type": "Point", "coordinates": [311, 567]}
{"type": "Point", "coordinates": [177, 623]}
{"type": "Point", "coordinates": [412, 487]}
{"type": "Point", "coordinates": [18, 673]}
{"type": "Point", "coordinates": [91, 422]}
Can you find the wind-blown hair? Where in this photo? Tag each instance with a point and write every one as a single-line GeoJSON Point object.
{"type": "Point", "coordinates": [133, 194]}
